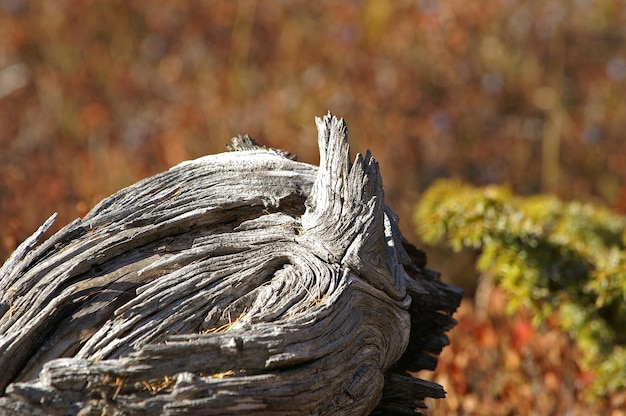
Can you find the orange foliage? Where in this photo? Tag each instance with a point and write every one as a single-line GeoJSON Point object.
{"type": "Point", "coordinates": [500, 365]}
{"type": "Point", "coordinates": [95, 95]}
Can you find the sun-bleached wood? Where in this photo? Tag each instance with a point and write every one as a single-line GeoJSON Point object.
{"type": "Point", "coordinates": [238, 283]}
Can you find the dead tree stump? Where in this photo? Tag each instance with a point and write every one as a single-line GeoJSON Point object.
{"type": "Point", "coordinates": [239, 283]}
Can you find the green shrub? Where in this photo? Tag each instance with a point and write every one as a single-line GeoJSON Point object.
{"type": "Point", "coordinates": [558, 259]}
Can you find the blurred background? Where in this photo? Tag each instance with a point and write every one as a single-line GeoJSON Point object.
{"type": "Point", "coordinates": [95, 95]}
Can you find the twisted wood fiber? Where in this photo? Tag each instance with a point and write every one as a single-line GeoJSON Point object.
{"type": "Point", "coordinates": [238, 283]}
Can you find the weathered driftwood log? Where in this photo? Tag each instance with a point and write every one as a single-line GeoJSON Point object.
{"type": "Point", "coordinates": [239, 283]}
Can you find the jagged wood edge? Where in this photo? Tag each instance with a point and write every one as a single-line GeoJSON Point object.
{"type": "Point", "coordinates": [103, 212]}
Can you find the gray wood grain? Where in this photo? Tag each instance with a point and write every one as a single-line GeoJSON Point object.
{"type": "Point", "coordinates": [237, 283]}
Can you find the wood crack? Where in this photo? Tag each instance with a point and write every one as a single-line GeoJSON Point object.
{"type": "Point", "coordinates": [234, 283]}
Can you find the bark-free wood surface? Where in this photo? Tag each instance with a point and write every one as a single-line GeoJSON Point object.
{"type": "Point", "coordinates": [238, 283]}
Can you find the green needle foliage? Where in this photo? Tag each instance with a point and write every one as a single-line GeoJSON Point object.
{"type": "Point", "coordinates": [559, 259]}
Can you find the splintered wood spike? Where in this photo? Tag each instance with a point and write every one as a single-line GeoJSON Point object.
{"type": "Point", "coordinates": [234, 284]}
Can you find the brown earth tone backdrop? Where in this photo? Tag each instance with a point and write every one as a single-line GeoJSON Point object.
{"type": "Point", "coordinates": [95, 95]}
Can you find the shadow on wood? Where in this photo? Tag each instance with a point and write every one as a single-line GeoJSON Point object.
{"type": "Point", "coordinates": [238, 283]}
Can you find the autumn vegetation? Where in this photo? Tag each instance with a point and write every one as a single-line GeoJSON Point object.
{"type": "Point", "coordinates": [95, 95]}
{"type": "Point", "coordinates": [564, 262]}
